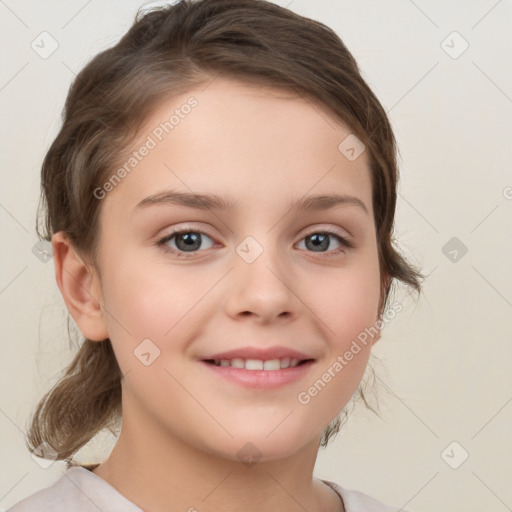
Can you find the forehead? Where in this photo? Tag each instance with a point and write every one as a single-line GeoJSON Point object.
{"type": "Point", "coordinates": [245, 141]}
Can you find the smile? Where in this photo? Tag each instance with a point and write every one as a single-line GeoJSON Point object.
{"type": "Point", "coordinates": [258, 364]}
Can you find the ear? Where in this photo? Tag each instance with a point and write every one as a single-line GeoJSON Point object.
{"type": "Point", "coordinates": [80, 288]}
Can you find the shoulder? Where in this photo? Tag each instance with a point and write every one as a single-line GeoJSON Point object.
{"type": "Point", "coordinates": [356, 501]}
{"type": "Point", "coordinates": [60, 495]}
{"type": "Point", "coordinates": [79, 490]}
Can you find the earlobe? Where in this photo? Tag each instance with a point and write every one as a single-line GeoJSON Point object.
{"type": "Point", "coordinates": [80, 288]}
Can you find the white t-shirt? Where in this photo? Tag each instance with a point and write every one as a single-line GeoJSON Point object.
{"type": "Point", "coordinates": [80, 490]}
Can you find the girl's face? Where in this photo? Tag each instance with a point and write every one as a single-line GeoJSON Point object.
{"type": "Point", "coordinates": [250, 274]}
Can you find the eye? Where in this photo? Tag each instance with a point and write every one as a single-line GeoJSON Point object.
{"type": "Point", "coordinates": [184, 241]}
{"type": "Point", "coordinates": [320, 241]}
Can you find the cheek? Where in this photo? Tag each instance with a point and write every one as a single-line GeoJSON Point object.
{"type": "Point", "coordinates": [147, 298]}
{"type": "Point", "coordinates": [142, 303]}
{"type": "Point", "coordinates": [347, 302]}
{"type": "Point", "coordinates": [346, 305]}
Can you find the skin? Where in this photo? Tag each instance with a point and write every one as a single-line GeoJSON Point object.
{"type": "Point", "coordinates": [182, 425]}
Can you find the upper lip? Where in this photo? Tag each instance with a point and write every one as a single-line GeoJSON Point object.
{"type": "Point", "coordinates": [265, 354]}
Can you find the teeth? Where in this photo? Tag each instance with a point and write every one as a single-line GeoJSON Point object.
{"type": "Point", "coordinates": [254, 364]}
{"type": "Point", "coordinates": [273, 364]}
{"type": "Point", "coordinates": [259, 364]}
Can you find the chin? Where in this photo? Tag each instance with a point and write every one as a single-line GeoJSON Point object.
{"type": "Point", "coordinates": [251, 446]}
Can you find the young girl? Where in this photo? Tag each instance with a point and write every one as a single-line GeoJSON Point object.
{"type": "Point", "coordinates": [220, 201]}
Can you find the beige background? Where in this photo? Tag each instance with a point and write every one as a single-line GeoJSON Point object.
{"type": "Point", "coordinates": [446, 359]}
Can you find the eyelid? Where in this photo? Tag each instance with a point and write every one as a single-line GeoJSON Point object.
{"type": "Point", "coordinates": [330, 229]}
{"type": "Point", "coordinates": [178, 228]}
{"type": "Point", "coordinates": [308, 230]}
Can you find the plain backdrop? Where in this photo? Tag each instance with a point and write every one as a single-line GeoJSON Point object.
{"type": "Point", "coordinates": [442, 70]}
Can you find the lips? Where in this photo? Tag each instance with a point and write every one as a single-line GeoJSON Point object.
{"type": "Point", "coordinates": [258, 368]}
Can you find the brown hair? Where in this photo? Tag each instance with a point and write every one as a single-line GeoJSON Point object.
{"type": "Point", "coordinates": [165, 52]}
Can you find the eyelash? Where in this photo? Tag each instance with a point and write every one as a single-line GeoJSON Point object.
{"type": "Point", "coordinates": [162, 242]}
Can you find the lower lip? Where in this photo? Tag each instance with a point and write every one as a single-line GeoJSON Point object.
{"type": "Point", "coordinates": [260, 379]}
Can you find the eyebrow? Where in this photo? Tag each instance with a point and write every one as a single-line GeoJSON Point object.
{"type": "Point", "coordinates": [215, 202]}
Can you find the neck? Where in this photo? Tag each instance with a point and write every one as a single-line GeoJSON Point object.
{"type": "Point", "coordinates": [181, 477]}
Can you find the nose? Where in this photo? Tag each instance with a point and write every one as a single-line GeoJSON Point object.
{"type": "Point", "coordinates": [261, 288]}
